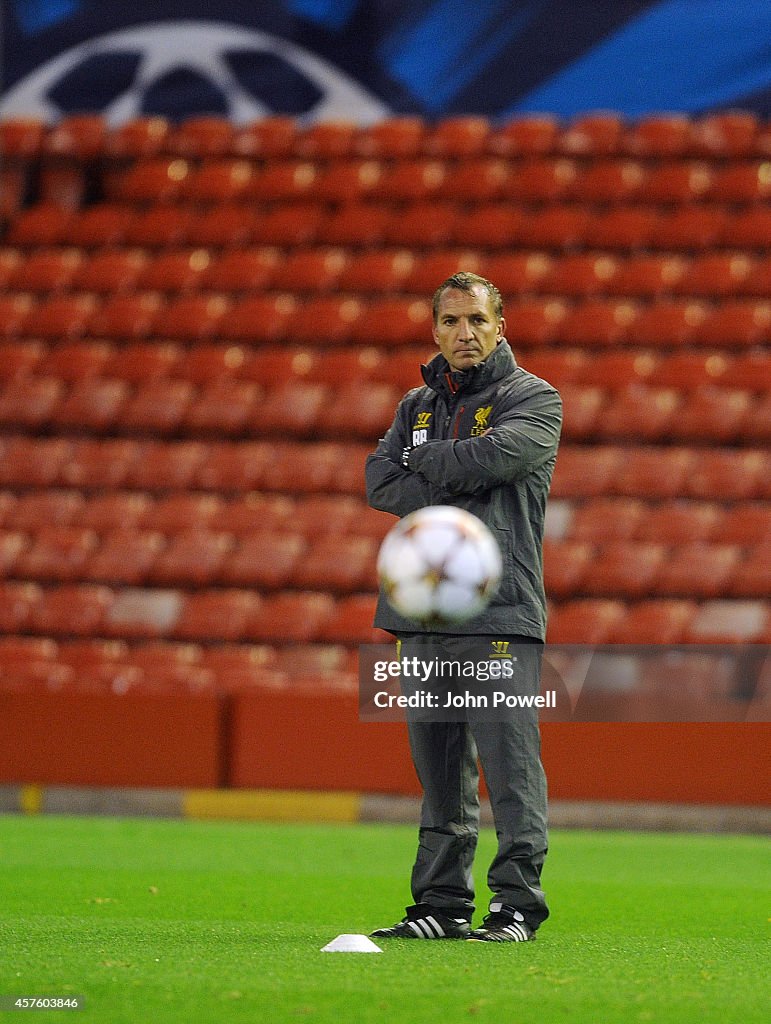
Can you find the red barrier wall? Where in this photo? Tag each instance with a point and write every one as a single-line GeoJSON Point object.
{"type": "Point", "coordinates": [290, 739]}
{"type": "Point", "coordinates": [169, 739]}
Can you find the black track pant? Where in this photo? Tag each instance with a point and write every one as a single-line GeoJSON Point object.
{"type": "Point", "coordinates": [507, 745]}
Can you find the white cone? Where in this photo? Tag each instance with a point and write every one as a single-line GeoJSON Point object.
{"type": "Point", "coordinates": [351, 944]}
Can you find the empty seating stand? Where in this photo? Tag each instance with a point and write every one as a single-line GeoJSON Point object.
{"type": "Point", "coordinates": [204, 329]}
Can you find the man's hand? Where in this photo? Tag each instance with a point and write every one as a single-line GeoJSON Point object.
{"type": "Point", "coordinates": [406, 456]}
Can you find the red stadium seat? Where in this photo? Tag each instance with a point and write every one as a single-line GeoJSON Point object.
{"type": "Point", "coordinates": [109, 510]}
{"type": "Point", "coordinates": [351, 621]}
{"type": "Point", "coordinates": [690, 228]}
{"type": "Point", "coordinates": [625, 569]}
{"type": "Point", "coordinates": [434, 267]}
{"type": "Point", "coordinates": [155, 180]}
{"type": "Point", "coordinates": [200, 137]}
{"type": "Point", "coordinates": [359, 412]}
{"type": "Point", "coordinates": [13, 545]}
{"type": "Point", "coordinates": [697, 569]}
{"type": "Point", "coordinates": [736, 323]}
{"type": "Point", "coordinates": [659, 135]}
{"type": "Point", "coordinates": [382, 270]}
{"type": "Point", "coordinates": [748, 229]}
{"type": "Point", "coordinates": [47, 270]}
{"type": "Point", "coordinates": [310, 270]}
{"type": "Point", "coordinates": [218, 181]}
{"type": "Point", "coordinates": [223, 407]}
{"type": "Point", "coordinates": [586, 472]}
{"type": "Point", "coordinates": [268, 137]}
{"type": "Point", "coordinates": [415, 180]}
{"type": "Point", "coordinates": [125, 555]}
{"type": "Point", "coordinates": [741, 183]}
{"type": "Point", "coordinates": [18, 602]}
{"type": "Point", "coordinates": [715, 273]}
{"type": "Point", "coordinates": [480, 180]}
{"type": "Point", "coordinates": [126, 316]}
{"type": "Point", "coordinates": [593, 135]}
{"type": "Point", "coordinates": [110, 272]}
{"type": "Point", "coordinates": [159, 227]}
{"type": "Point", "coordinates": [566, 566]}
{"type": "Point", "coordinates": [181, 511]}
{"type": "Point", "coordinates": [349, 180]}
{"type": "Point", "coordinates": [140, 362]}
{"type": "Point", "coordinates": [649, 472]}
{"type": "Point", "coordinates": [609, 182]}
{"type": "Point", "coordinates": [228, 466]}
{"type": "Point", "coordinates": [529, 135]}
{"type": "Point", "coordinates": [491, 225]}
{"type": "Point", "coordinates": [616, 370]}
{"type": "Point", "coordinates": [43, 224]}
{"type": "Point", "coordinates": [137, 138]}
{"type": "Point", "coordinates": [14, 310]}
{"type": "Point", "coordinates": [656, 622]}
{"type": "Point", "coordinates": [745, 523]}
{"type": "Point", "coordinates": [256, 512]}
{"type": "Point", "coordinates": [72, 610]}
{"type": "Point", "coordinates": [30, 402]}
{"type": "Point", "coordinates": [326, 320]}
{"type": "Point", "coordinates": [216, 615]}
{"type": "Point", "coordinates": [34, 461]}
{"type": "Point", "coordinates": [224, 225]}
{"type": "Point", "coordinates": [668, 323]}
{"type": "Point", "coordinates": [20, 358]}
{"type": "Point", "coordinates": [598, 322]}
{"type": "Point", "coordinates": [352, 224]}
{"type": "Point", "coordinates": [264, 559]}
{"type": "Point", "coordinates": [583, 412]}
{"type": "Point", "coordinates": [241, 270]}
{"type": "Point", "coordinates": [640, 412]}
{"type": "Point", "coordinates": [519, 272]}
{"type": "Point", "coordinates": [603, 519]}
{"type": "Point", "coordinates": [291, 409]}
{"type": "Point", "coordinates": [394, 138]}
{"type": "Point", "coordinates": [428, 224]}
{"type": "Point", "coordinates": [21, 137]}
{"type": "Point", "coordinates": [534, 322]}
{"type": "Point", "coordinates": [291, 617]}
{"type": "Point", "coordinates": [60, 316]}
{"type": "Point", "coordinates": [676, 182]}
{"type": "Point", "coordinates": [301, 469]}
{"type": "Point", "coordinates": [191, 317]}
{"type": "Point", "coordinates": [544, 180]}
{"type": "Point", "coordinates": [164, 466]}
{"type": "Point", "coordinates": [585, 621]}
{"type": "Point", "coordinates": [715, 414]}
{"type": "Point", "coordinates": [259, 318]}
{"type": "Point", "coordinates": [284, 180]}
{"type": "Point", "coordinates": [94, 404]}
{"type": "Point", "coordinates": [37, 509]}
{"type": "Point", "coordinates": [581, 274]}
{"type": "Point", "coordinates": [159, 407]}
{"type": "Point", "coordinates": [193, 557]}
{"type": "Point", "coordinates": [77, 361]}
{"type": "Point", "coordinates": [626, 228]}
{"type": "Point", "coordinates": [99, 463]}
{"type": "Point", "coordinates": [728, 475]}
{"type": "Point", "coordinates": [326, 140]}
{"type": "Point", "coordinates": [457, 137]}
{"type": "Point", "coordinates": [727, 133]}
{"type": "Point", "coordinates": [393, 321]}
{"type": "Point", "coordinates": [176, 271]}
{"type": "Point", "coordinates": [58, 553]}
{"type": "Point", "coordinates": [648, 275]}
{"type": "Point", "coordinates": [752, 576]}
{"type": "Point", "coordinates": [208, 363]}
{"type": "Point", "coordinates": [688, 369]}
{"type": "Point", "coordinates": [679, 521]}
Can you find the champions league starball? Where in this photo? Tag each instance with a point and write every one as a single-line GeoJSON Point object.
{"type": "Point", "coordinates": [439, 565]}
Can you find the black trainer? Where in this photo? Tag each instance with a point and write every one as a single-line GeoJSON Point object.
{"type": "Point", "coordinates": [426, 922]}
{"type": "Point", "coordinates": [503, 924]}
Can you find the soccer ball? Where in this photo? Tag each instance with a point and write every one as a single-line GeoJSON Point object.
{"type": "Point", "coordinates": [181, 68]}
{"type": "Point", "coordinates": [439, 565]}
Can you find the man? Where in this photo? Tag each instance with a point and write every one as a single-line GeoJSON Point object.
{"type": "Point", "coordinates": [481, 434]}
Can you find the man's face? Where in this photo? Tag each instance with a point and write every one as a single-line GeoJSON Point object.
{"type": "Point", "coordinates": [466, 328]}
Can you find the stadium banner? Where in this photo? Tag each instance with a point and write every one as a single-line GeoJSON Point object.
{"type": "Point", "coordinates": [475, 678]}
{"type": "Point", "coordinates": [364, 60]}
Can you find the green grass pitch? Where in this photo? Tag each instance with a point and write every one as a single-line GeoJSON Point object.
{"type": "Point", "coordinates": [197, 922]}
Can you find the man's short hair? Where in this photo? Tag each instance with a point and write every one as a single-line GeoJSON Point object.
{"type": "Point", "coordinates": [465, 281]}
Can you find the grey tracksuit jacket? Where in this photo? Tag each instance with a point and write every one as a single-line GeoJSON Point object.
{"type": "Point", "coordinates": [503, 476]}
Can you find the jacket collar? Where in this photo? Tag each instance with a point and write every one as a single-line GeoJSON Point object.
{"type": "Point", "coordinates": [439, 376]}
